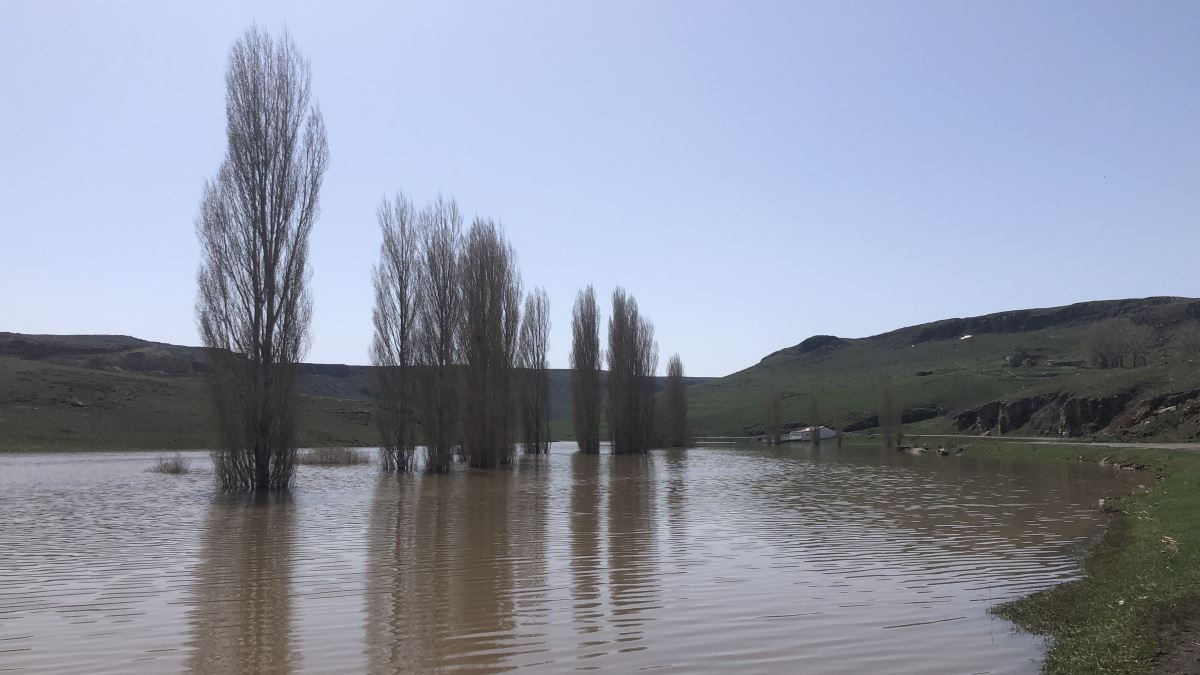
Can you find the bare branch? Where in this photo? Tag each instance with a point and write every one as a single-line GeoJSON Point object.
{"type": "Point", "coordinates": [585, 370]}
{"type": "Point", "coordinates": [487, 341]}
{"type": "Point", "coordinates": [675, 406]}
{"type": "Point", "coordinates": [535, 373]}
{"type": "Point", "coordinates": [253, 306]}
{"type": "Point", "coordinates": [397, 280]}
{"type": "Point", "coordinates": [632, 362]}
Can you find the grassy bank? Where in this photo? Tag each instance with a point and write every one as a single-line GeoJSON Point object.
{"type": "Point", "coordinates": [1141, 593]}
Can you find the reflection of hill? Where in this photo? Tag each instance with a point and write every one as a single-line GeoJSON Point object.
{"type": "Point", "coordinates": [241, 601]}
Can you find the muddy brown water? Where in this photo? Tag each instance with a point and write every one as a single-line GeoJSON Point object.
{"type": "Point", "coordinates": [711, 559]}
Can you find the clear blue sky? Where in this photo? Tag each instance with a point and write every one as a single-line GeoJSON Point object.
{"type": "Point", "coordinates": [754, 173]}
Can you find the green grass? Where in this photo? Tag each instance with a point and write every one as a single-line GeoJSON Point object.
{"type": "Point", "coordinates": [956, 374]}
{"type": "Point", "coordinates": [928, 365]}
{"type": "Point", "coordinates": [1142, 578]}
{"type": "Point", "coordinates": [50, 407]}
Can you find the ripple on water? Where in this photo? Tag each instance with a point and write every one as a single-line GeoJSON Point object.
{"type": "Point", "coordinates": [763, 560]}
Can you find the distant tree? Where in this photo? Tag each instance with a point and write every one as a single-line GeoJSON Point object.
{"type": "Point", "coordinates": [1117, 342]}
{"type": "Point", "coordinates": [1185, 345]}
{"type": "Point", "coordinates": [814, 424]}
{"type": "Point", "coordinates": [1138, 339]}
{"type": "Point", "coordinates": [253, 306]}
{"type": "Point", "coordinates": [890, 416]}
{"type": "Point", "coordinates": [585, 370]}
{"type": "Point", "coordinates": [632, 361]}
{"type": "Point", "coordinates": [535, 372]}
{"type": "Point", "coordinates": [491, 296]}
{"type": "Point", "coordinates": [397, 281]}
{"type": "Point", "coordinates": [675, 406]}
{"type": "Point", "coordinates": [439, 301]}
{"type": "Point", "coordinates": [774, 418]}
{"type": "Point", "coordinates": [1101, 344]}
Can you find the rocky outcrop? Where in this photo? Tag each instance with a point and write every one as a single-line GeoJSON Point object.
{"type": "Point", "coordinates": [817, 345]}
{"type": "Point", "coordinates": [823, 342]}
{"type": "Point", "coordinates": [1159, 405]}
{"type": "Point", "coordinates": [1080, 416]}
{"type": "Point", "coordinates": [1045, 415]}
{"type": "Point", "coordinates": [1001, 417]}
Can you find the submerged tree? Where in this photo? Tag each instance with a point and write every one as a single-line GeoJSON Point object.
{"type": "Point", "coordinates": [535, 373]}
{"type": "Point", "coordinates": [439, 300]}
{"type": "Point", "coordinates": [773, 424]}
{"type": "Point", "coordinates": [585, 370]}
{"type": "Point", "coordinates": [675, 406]}
{"type": "Point", "coordinates": [393, 350]}
{"type": "Point", "coordinates": [632, 361]}
{"type": "Point", "coordinates": [491, 296]}
{"type": "Point", "coordinates": [253, 306]}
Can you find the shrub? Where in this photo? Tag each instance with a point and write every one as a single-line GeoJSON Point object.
{"type": "Point", "coordinates": [333, 457]}
{"type": "Point", "coordinates": [172, 464]}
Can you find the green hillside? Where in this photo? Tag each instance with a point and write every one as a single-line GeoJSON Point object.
{"type": "Point", "coordinates": [98, 392]}
{"type": "Point", "coordinates": [1018, 373]}
{"type": "Point", "coordinates": [937, 373]}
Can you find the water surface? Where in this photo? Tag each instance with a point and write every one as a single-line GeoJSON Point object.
{"type": "Point", "coordinates": [710, 559]}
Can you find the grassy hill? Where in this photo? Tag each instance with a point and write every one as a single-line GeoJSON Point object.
{"type": "Point", "coordinates": [115, 392]}
{"type": "Point", "coordinates": [954, 375]}
{"type": "Point", "coordinates": [950, 376]}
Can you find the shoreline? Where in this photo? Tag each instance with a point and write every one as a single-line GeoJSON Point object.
{"type": "Point", "coordinates": [1137, 607]}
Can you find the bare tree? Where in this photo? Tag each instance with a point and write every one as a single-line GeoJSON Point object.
{"type": "Point", "coordinates": [890, 417]}
{"type": "Point", "coordinates": [1117, 342]}
{"type": "Point", "coordinates": [439, 301]}
{"type": "Point", "coordinates": [774, 418]}
{"type": "Point", "coordinates": [632, 361]}
{"type": "Point", "coordinates": [535, 373]}
{"type": "Point", "coordinates": [1185, 346]}
{"type": "Point", "coordinates": [397, 279]}
{"type": "Point", "coordinates": [1102, 344]}
{"type": "Point", "coordinates": [675, 406]}
{"type": "Point", "coordinates": [491, 296]}
{"type": "Point", "coordinates": [814, 421]}
{"type": "Point", "coordinates": [1137, 340]}
{"type": "Point", "coordinates": [585, 370]}
{"type": "Point", "coordinates": [253, 306]}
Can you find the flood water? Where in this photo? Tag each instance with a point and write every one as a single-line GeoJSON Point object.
{"type": "Point", "coordinates": [710, 559]}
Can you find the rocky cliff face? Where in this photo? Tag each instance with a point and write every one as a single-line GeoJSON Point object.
{"type": "Point", "coordinates": [1171, 416]}
{"type": "Point", "coordinates": [1045, 415]}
